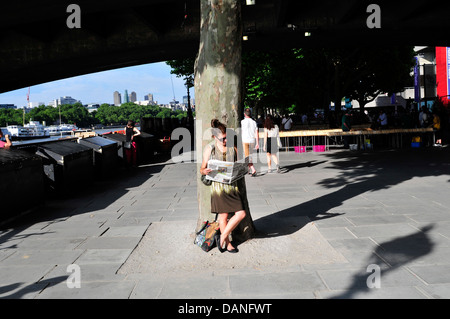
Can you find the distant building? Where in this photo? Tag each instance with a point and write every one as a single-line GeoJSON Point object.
{"type": "Point", "coordinates": [35, 104]}
{"type": "Point", "coordinates": [92, 107]}
{"type": "Point", "coordinates": [126, 97]}
{"type": "Point", "coordinates": [133, 97]}
{"type": "Point", "coordinates": [430, 77]}
{"type": "Point", "coordinates": [64, 100]}
{"type": "Point", "coordinates": [143, 103]}
{"type": "Point", "coordinates": [149, 97]}
{"type": "Point", "coordinates": [68, 100]}
{"type": "Point", "coordinates": [117, 98]}
{"type": "Point", "coordinates": [8, 106]}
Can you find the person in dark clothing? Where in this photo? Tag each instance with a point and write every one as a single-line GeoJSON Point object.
{"type": "Point", "coordinates": [130, 152]}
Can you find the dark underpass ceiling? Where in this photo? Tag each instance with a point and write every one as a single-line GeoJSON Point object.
{"type": "Point", "coordinates": [37, 46]}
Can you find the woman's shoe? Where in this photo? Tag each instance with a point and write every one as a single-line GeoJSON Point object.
{"type": "Point", "coordinates": [217, 239]}
{"type": "Point", "coordinates": [233, 251]}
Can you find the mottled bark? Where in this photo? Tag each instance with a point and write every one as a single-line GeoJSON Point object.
{"type": "Point", "coordinates": [218, 89]}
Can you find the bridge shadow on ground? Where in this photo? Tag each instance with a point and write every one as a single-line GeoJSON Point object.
{"type": "Point", "coordinates": [94, 196]}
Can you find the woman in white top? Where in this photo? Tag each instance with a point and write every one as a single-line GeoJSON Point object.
{"type": "Point", "coordinates": [271, 135]}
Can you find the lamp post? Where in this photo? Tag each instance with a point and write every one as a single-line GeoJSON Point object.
{"type": "Point", "coordinates": [60, 131]}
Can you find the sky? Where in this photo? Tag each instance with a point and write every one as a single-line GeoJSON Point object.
{"type": "Point", "coordinates": [99, 87]}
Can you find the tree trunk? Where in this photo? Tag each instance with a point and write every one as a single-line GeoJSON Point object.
{"type": "Point", "coordinates": [218, 91]}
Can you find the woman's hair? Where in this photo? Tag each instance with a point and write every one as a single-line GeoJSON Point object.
{"type": "Point", "coordinates": [131, 123]}
{"type": "Point", "coordinates": [215, 124]}
{"type": "Point", "coordinates": [268, 123]}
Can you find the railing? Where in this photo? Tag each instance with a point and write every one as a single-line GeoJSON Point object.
{"type": "Point", "coordinates": [310, 138]}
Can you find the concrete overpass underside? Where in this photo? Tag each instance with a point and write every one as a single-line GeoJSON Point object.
{"type": "Point", "coordinates": [37, 46]}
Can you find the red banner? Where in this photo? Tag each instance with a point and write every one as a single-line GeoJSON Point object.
{"type": "Point", "coordinates": [443, 73]}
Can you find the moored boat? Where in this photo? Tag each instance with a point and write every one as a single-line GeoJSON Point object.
{"type": "Point", "coordinates": [62, 129]}
{"type": "Point", "coordinates": [36, 130]}
{"type": "Point", "coordinates": [17, 132]}
{"type": "Point", "coordinates": [32, 130]}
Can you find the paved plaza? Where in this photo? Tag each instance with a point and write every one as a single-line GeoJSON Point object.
{"type": "Point", "coordinates": [337, 224]}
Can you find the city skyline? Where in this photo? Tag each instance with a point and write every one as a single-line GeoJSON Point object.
{"type": "Point", "coordinates": [98, 88]}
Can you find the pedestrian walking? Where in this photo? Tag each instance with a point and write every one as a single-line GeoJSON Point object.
{"type": "Point", "coordinates": [287, 123]}
{"type": "Point", "coordinates": [271, 137]}
{"type": "Point", "coordinates": [250, 138]}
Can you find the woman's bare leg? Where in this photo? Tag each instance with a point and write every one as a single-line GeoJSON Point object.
{"type": "Point", "coordinates": [275, 159]}
{"type": "Point", "coordinates": [269, 162]}
{"type": "Point", "coordinates": [223, 222]}
{"type": "Point", "coordinates": [229, 227]}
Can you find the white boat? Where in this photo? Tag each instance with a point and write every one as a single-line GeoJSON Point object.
{"type": "Point", "coordinates": [36, 130]}
{"type": "Point", "coordinates": [63, 129]}
{"type": "Point", "coordinates": [17, 132]}
{"type": "Point", "coordinates": [68, 127]}
{"type": "Point", "coordinates": [53, 130]}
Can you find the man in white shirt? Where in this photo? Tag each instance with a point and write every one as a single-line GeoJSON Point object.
{"type": "Point", "coordinates": [287, 123]}
{"type": "Point", "coordinates": [250, 137]}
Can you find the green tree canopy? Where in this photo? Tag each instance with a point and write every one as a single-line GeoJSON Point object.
{"type": "Point", "coordinates": [79, 115]}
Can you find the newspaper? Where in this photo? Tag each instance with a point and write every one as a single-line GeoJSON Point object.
{"type": "Point", "coordinates": [227, 172]}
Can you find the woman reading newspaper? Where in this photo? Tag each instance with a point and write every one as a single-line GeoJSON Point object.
{"type": "Point", "coordinates": [225, 198]}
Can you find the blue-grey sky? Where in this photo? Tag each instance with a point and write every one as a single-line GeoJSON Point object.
{"type": "Point", "coordinates": [99, 87]}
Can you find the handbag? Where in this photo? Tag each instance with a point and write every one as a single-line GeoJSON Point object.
{"type": "Point", "coordinates": [205, 181]}
{"type": "Point", "coordinates": [206, 237]}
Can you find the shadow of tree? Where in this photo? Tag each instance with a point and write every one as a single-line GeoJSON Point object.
{"type": "Point", "coordinates": [357, 173]}
{"type": "Point", "coordinates": [27, 289]}
{"type": "Point", "coordinates": [287, 168]}
{"type": "Point", "coordinates": [395, 253]}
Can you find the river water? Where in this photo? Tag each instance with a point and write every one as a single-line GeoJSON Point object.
{"type": "Point", "coordinates": [52, 138]}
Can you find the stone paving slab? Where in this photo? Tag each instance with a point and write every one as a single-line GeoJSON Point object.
{"type": "Point", "coordinates": [13, 275]}
{"type": "Point", "coordinates": [326, 217]}
{"type": "Point", "coordinates": [89, 290]}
